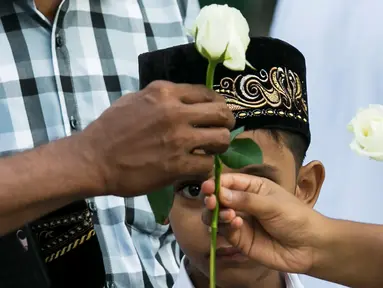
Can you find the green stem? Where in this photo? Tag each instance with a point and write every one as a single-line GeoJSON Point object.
{"type": "Point", "coordinates": [210, 74]}
{"type": "Point", "coordinates": [214, 223]}
{"type": "Point", "coordinates": [217, 172]}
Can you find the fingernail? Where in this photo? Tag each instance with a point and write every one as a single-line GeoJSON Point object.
{"type": "Point", "coordinates": [226, 194]}
{"type": "Point", "coordinates": [224, 216]}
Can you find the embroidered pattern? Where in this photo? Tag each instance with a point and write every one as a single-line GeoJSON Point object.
{"type": "Point", "coordinates": [274, 93]}
{"type": "Point", "coordinates": [59, 232]}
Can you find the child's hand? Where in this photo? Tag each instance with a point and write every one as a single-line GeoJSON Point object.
{"type": "Point", "coordinates": [266, 222]}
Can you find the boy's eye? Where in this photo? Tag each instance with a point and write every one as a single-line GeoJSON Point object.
{"type": "Point", "coordinates": [192, 191]}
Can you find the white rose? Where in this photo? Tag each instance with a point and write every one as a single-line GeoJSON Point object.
{"type": "Point", "coordinates": [367, 127]}
{"type": "Point", "coordinates": [221, 34]}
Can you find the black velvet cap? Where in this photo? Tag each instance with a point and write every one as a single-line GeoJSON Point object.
{"type": "Point", "coordinates": [273, 96]}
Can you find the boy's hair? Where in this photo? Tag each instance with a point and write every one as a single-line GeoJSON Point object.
{"type": "Point", "coordinates": [296, 143]}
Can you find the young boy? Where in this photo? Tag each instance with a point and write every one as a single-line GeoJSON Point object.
{"type": "Point", "coordinates": [271, 103]}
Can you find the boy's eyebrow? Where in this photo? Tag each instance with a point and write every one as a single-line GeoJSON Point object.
{"type": "Point", "coordinates": [264, 170]}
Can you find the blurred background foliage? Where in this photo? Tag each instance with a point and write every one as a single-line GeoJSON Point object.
{"type": "Point", "coordinates": [259, 13]}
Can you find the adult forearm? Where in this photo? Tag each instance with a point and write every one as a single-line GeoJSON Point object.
{"type": "Point", "coordinates": [18, 218]}
{"type": "Point", "coordinates": [44, 179]}
{"type": "Point", "coordinates": [351, 254]}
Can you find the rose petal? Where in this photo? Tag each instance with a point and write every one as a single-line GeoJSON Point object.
{"type": "Point", "coordinates": [222, 34]}
{"type": "Point", "coordinates": [235, 58]}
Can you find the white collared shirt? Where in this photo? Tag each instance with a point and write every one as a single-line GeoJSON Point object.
{"type": "Point", "coordinates": [183, 279]}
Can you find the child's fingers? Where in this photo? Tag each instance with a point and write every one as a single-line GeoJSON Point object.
{"type": "Point", "coordinates": [236, 232]}
{"type": "Point", "coordinates": [210, 202]}
{"type": "Point", "coordinates": [235, 181]}
{"type": "Point", "coordinates": [225, 216]}
{"type": "Point", "coordinates": [208, 187]}
{"type": "Point", "coordinates": [207, 215]}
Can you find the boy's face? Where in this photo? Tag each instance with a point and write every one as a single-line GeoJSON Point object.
{"type": "Point", "coordinates": [194, 237]}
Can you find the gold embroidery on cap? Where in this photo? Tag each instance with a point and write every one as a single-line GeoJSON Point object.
{"type": "Point", "coordinates": [278, 92]}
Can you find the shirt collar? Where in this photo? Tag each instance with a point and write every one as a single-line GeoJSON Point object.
{"type": "Point", "coordinates": [293, 281]}
{"type": "Point", "coordinates": [183, 279]}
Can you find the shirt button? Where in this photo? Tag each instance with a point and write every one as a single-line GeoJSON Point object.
{"type": "Point", "coordinates": [92, 207]}
{"type": "Point", "coordinates": [59, 41]}
{"type": "Point", "coordinates": [109, 284]}
{"type": "Point", "coordinates": [73, 123]}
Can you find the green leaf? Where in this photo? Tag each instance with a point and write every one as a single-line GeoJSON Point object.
{"type": "Point", "coordinates": [161, 202]}
{"type": "Point", "coordinates": [236, 132]}
{"type": "Point", "coordinates": [241, 153]}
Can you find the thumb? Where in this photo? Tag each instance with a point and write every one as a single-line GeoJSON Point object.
{"type": "Point", "coordinates": [235, 181]}
{"type": "Point", "coordinates": [243, 192]}
{"type": "Point", "coordinates": [251, 203]}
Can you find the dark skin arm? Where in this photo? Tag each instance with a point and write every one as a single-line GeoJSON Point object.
{"type": "Point", "coordinates": [42, 180]}
{"type": "Point", "coordinates": [162, 125]}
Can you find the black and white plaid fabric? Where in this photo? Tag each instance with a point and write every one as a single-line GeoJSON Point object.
{"type": "Point", "coordinates": [57, 78]}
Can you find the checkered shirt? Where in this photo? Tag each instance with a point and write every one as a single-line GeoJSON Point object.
{"type": "Point", "coordinates": [56, 78]}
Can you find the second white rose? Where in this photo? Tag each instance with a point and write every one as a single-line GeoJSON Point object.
{"type": "Point", "coordinates": [367, 127]}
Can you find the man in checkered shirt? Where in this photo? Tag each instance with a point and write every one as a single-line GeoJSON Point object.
{"type": "Point", "coordinates": [64, 65]}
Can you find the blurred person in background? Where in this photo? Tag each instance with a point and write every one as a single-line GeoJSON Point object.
{"type": "Point", "coordinates": [343, 47]}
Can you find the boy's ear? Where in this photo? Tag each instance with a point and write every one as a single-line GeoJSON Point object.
{"type": "Point", "coordinates": [309, 182]}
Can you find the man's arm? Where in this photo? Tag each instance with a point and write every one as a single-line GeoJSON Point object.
{"type": "Point", "coordinates": [42, 180]}
{"type": "Point", "coordinates": [349, 253]}
{"type": "Point", "coordinates": [150, 134]}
